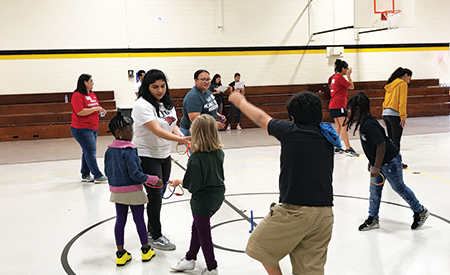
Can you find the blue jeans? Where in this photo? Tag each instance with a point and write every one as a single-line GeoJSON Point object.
{"type": "Point", "coordinates": [232, 109]}
{"type": "Point", "coordinates": [87, 138]}
{"type": "Point", "coordinates": [185, 132]}
{"type": "Point", "coordinates": [393, 172]}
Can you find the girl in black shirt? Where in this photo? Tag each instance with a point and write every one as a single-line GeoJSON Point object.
{"type": "Point", "coordinates": [384, 157]}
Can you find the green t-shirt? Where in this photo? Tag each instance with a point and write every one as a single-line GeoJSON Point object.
{"type": "Point", "coordinates": [204, 179]}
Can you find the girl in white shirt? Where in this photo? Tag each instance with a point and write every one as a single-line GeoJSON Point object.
{"type": "Point", "coordinates": [155, 127]}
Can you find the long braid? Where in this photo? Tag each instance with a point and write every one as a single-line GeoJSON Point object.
{"type": "Point", "coordinates": [359, 102]}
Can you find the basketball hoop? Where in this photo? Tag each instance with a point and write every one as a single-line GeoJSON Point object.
{"type": "Point", "coordinates": [390, 18]}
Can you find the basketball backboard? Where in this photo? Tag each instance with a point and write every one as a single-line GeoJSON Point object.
{"type": "Point", "coordinates": [384, 13]}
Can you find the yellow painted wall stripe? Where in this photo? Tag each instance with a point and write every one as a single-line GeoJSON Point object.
{"type": "Point", "coordinates": [196, 54]}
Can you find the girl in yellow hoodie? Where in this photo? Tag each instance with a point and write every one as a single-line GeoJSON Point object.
{"type": "Point", "coordinates": [394, 105]}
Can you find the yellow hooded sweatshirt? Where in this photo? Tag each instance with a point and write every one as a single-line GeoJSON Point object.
{"type": "Point", "coordinates": [396, 96]}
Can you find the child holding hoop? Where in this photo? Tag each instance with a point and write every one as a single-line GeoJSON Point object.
{"type": "Point", "coordinates": [383, 157]}
{"type": "Point", "coordinates": [204, 179]}
{"type": "Point", "coordinates": [125, 177]}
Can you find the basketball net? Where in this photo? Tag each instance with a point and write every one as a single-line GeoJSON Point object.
{"type": "Point", "coordinates": [389, 19]}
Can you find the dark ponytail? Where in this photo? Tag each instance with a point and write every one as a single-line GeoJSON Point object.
{"type": "Point", "coordinates": [399, 73]}
{"type": "Point", "coordinates": [339, 65]}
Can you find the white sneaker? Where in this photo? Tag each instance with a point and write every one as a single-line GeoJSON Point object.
{"type": "Point", "coordinates": [239, 128]}
{"type": "Point", "coordinates": [210, 272]}
{"type": "Point", "coordinates": [183, 265]}
{"type": "Point", "coordinates": [229, 127]}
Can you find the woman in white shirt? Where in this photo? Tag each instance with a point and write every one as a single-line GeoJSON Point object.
{"type": "Point", "coordinates": [155, 127]}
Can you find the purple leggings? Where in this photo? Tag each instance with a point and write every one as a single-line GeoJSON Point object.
{"type": "Point", "coordinates": [201, 237]}
{"type": "Point", "coordinates": [121, 220]}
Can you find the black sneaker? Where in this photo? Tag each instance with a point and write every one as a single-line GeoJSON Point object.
{"type": "Point", "coordinates": [404, 165]}
{"type": "Point", "coordinates": [420, 218]}
{"type": "Point", "coordinates": [370, 223]}
{"type": "Point", "coordinates": [351, 152]}
{"type": "Point", "coordinates": [338, 150]}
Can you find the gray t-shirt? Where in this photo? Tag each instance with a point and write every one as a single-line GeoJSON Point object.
{"type": "Point", "coordinates": [197, 102]}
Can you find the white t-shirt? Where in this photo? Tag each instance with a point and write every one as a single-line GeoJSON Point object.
{"type": "Point", "coordinates": [137, 86]}
{"type": "Point", "coordinates": [147, 143]}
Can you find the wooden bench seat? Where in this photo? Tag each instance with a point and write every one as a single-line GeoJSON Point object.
{"type": "Point", "coordinates": [425, 98]}
{"type": "Point", "coordinates": [38, 116]}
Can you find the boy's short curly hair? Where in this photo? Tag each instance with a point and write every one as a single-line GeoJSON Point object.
{"type": "Point", "coordinates": [305, 108]}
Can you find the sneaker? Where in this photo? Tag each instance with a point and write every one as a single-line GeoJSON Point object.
{"type": "Point", "coordinates": [210, 272]}
{"type": "Point", "coordinates": [162, 243]}
{"type": "Point", "coordinates": [370, 223]}
{"type": "Point", "coordinates": [351, 152]}
{"type": "Point", "coordinates": [147, 254]}
{"type": "Point", "coordinates": [404, 165]}
{"type": "Point", "coordinates": [420, 218]}
{"type": "Point", "coordinates": [102, 179]}
{"type": "Point", "coordinates": [88, 178]}
{"type": "Point", "coordinates": [239, 128]}
{"type": "Point", "coordinates": [338, 150]}
{"type": "Point", "coordinates": [183, 265]}
{"type": "Point", "coordinates": [122, 258]}
{"type": "Point", "coordinates": [229, 127]}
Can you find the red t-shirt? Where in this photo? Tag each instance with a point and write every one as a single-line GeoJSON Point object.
{"type": "Point", "coordinates": [339, 90]}
{"type": "Point", "coordinates": [79, 102]}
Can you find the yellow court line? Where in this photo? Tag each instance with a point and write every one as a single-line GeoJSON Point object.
{"type": "Point", "coordinates": [412, 172]}
{"type": "Point", "coordinates": [227, 162]}
{"type": "Point", "coordinates": [207, 53]}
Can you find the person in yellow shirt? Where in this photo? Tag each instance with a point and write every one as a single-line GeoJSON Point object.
{"type": "Point", "coordinates": [394, 105]}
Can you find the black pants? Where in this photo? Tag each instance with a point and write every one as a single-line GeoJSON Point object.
{"type": "Point", "coordinates": [160, 168]}
{"type": "Point", "coordinates": [394, 129]}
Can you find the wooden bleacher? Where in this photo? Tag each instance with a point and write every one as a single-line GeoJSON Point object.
{"type": "Point", "coordinates": [425, 98]}
{"type": "Point", "coordinates": [42, 116]}
{"type": "Point", "coordinates": [45, 115]}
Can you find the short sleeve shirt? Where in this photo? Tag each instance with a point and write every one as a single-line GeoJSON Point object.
{"type": "Point", "coordinates": [197, 102]}
{"type": "Point", "coordinates": [147, 143]}
{"type": "Point", "coordinates": [307, 159]}
{"type": "Point", "coordinates": [372, 134]}
{"type": "Point", "coordinates": [80, 102]}
{"type": "Point", "coordinates": [338, 92]}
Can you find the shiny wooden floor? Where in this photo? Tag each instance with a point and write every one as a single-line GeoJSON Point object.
{"type": "Point", "coordinates": [51, 223]}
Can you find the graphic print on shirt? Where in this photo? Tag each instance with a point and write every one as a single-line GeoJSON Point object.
{"type": "Point", "coordinates": [332, 82]}
{"type": "Point", "coordinates": [211, 104]}
{"type": "Point", "coordinates": [166, 115]}
{"type": "Point", "coordinates": [92, 101]}
{"type": "Point", "coordinates": [363, 137]}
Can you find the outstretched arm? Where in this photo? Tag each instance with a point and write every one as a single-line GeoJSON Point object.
{"type": "Point", "coordinates": [254, 113]}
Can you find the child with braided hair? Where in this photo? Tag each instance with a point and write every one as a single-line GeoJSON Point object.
{"type": "Point", "coordinates": [125, 177]}
{"type": "Point", "coordinates": [384, 157]}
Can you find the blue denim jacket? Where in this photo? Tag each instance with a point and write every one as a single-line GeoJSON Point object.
{"type": "Point", "coordinates": [123, 168]}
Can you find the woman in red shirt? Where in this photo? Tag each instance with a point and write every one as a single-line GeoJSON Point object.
{"type": "Point", "coordinates": [338, 102]}
{"type": "Point", "coordinates": [84, 127]}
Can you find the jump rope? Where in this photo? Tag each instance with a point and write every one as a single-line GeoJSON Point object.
{"type": "Point", "coordinates": [180, 150]}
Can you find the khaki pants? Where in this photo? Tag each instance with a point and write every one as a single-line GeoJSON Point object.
{"type": "Point", "coordinates": [300, 231]}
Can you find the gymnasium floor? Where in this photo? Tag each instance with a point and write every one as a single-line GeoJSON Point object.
{"type": "Point", "coordinates": [51, 223]}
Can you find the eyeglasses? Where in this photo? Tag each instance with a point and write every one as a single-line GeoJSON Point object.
{"type": "Point", "coordinates": [205, 79]}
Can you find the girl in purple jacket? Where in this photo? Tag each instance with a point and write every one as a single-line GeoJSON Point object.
{"type": "Point", "coordinates": [125, 177]}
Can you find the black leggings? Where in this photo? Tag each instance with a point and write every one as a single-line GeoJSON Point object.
{"type": "Point", "coordinates": [160, 168]}
{"type": "Point", "coordinates": [394, 129]}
